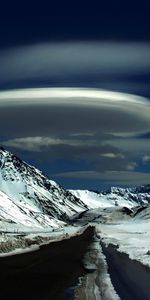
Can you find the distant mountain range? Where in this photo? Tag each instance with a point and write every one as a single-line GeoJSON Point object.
{"type": "Point", "coordinates": [128, 197]}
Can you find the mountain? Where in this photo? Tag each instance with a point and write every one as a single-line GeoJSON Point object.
{"type": "Point", "coordinates": [129, 197]}
{"type": "Point", "coordinates": [138, 195]}
{"type": "Point", "coordinates": [29, 198]}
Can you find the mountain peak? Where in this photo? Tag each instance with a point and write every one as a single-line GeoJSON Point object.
{"type": "Point", "coordinates": [2, 149]}
{"type": "Point", "coordinates": [34, 193]}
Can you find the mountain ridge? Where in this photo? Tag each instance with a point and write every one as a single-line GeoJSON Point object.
{"type": "Point", "coordinates": [30, 198]}
{"type": "Point", "coordinates": [34, 193]}
{"type": "Point", "coordinates": [128, 197]}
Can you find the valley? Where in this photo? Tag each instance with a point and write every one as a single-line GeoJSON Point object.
{"type": "Point", "coordinates": [59, 244]}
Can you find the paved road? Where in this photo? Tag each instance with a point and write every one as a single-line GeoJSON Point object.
{"type": "Point", "coordinates": [45, 273]}
{"type": "Point", "coordinates": [130, 278]}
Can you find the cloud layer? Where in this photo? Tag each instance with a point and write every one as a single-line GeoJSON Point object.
{"type": "Point", "coordinates": [122, 178]}
{"type": "Point", "coordinates": [59, 60]}
{"type": "Point", "coordinates": [90, 135]}
{"type": "Point", "coordinates": [118, 66]}
{"type": "Point", "coordinates": [83, 133]}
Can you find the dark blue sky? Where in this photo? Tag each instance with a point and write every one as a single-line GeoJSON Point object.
{"type": "Point", "coordinates": [103, 20]}
{"type": "Point", "coordinates": [90, 144]}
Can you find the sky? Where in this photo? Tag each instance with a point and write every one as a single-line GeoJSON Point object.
{"type": "Point", "coordinates": [75, 95]}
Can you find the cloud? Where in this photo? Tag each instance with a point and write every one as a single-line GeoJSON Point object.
{"type": "Point", "coordinates": [132, 145]}
{"type": "Point", "coordinates": [98, 132]}
{"type": "Point", "coordinates": [122, 178]}
{"type": "Point", "coordinates": [82, 134]}
{"type": "Point", "coordinates": [131, 166]}
{"type": "Point", "coordinates": [72, 111]}
{"type": "Point", "coordinates": [32, 143]}
{"type": "Point", "coordinates": [61, 95]}
{"type": "Point", "coordinates": [85, 149]}
{"type": "Point", "coordinates": [38, 143]}
{"type": "Point", "coordinates": [112, 155]}
{"type": "Point", "coordinates": [146, 159]}
{"type": "Point", "coordinates": [72, 59]}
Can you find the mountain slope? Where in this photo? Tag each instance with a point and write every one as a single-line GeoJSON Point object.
{"type": "Point", "coordinates": [41, 200]}
{"type": "Point", "coordinates": [115, 197]}
{"type": "Point", "coordinates": [11, 214]}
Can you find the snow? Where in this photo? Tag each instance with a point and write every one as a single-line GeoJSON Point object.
{"type": "Point", "coordinates": [98, 284]}
{"type": "Point", "coordinates": [91, 199]}
{"type": "Point", "coordinates": [128, 230]}
{"type": "Point", "coordinates": [33, 206]}
{"type": "Point", "coordinates": [29, 198]}
{"type": "Point", "coordinates": [13, 243]}
{"type": "Point", "coordinates": [117, 197]}
{"type": "Point", "coordinates": [131, 237]}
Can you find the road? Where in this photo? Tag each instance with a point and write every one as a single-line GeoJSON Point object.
{"type": "Point", "coordinates": [48, 273]}
{"type": "Point", "coordinates": [130, 278]}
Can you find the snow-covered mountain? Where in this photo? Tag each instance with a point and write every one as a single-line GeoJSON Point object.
{"type": "Point", "coordinates": [138, 195]}
{"type": "Point", "coordinates": [128, 197]}
{"type": "Point", "coordinates": [29, 198]}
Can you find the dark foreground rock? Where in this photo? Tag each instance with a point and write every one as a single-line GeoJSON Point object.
{"type": "Point", "coordinates": [48, 273]}
{"type": "Point", "coordinates": [130, 278]}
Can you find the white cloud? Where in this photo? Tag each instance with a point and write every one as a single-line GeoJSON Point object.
{"type": "Point", "coordinates": [146, 158]}
{"type": "Point", "coordinates": [128, 113]}
{"type": "Point", "coordinates": [32, 143]}
{"type": "Point", "coordinates": [102, 97]}
{"type": "Point", "coordinates": [73, 58]}
{"type": "Point", "coordinates": [113, 155]}
{"type": "Point", "coordinates": [38, 143]}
